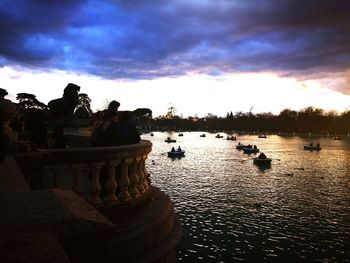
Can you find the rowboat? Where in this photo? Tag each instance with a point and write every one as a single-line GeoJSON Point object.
{"type": "Point", "coordinates": [175, 154]}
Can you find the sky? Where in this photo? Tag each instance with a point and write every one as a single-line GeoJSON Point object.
{"type": "Point", "coordinates": [204, 56]}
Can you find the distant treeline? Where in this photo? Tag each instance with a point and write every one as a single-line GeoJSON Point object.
{"type": "Point", "coordinates": [307, 120]}
{"type": "Point", "coordinates": [310, 119]}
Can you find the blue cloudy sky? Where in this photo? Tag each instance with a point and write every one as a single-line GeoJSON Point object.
{"type": "Point", "coordinates": [193, 54]}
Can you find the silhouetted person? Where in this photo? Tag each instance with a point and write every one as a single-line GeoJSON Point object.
{"type": "Point", "coordinates": [179, 149]}
{"type": "Point", "coordinates": [101, 136]}
{"type": "Point", "coordinates": [262, 156]}
{"type": "Point", "coordinates": [123, 132]}
{"type": "Point", "coordinates": [172, 149]}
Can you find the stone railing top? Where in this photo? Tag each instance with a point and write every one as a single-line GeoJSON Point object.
{"type": "Point", "coordinates": [95, 154]}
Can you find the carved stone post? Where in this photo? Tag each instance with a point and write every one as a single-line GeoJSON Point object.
{"type": "Point", "coordinates": [139, 171]}
{"type": "Point", "coordinates": [111, 184]}
{"type": "Point", "coordinates": [134, 180]}
{"type": "Point", "coordinates": [78, 170]}
{"type": "Point", "coordinates": [146, 181]}
{"type": "Point", "coordinates": [54, 171]}
{"type": "Point", "coordinates": [95, 183]}
{"type": "Point", "coordinates": [124, 181]}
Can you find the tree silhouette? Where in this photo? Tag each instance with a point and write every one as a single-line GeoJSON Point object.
{"type": "Point", "coordinates": [171, 113]}
{"type": "Point", "coordinates": [29, 101]}
{"type": "Point", "coordinates": [141, 113]}
{"type": "Point", "coordinates": [83, 110]}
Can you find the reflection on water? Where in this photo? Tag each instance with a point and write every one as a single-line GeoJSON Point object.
{"type": "Point", "coordinates": [231, 210]}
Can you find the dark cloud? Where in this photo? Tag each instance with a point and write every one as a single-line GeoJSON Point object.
{"type": "Point", "coordinates": [149, 39]}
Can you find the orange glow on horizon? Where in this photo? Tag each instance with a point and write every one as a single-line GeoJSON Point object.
{"type": "Point", "coordinates": [190, 95]}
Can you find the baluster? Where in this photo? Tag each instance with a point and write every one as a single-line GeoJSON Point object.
{"type": "Point", "coordinates": [95, 183]}
{"type": "Point", "coordinates": [134, 180]}
{"type": "Point", "coordinates": [146, 180]}
{"type": "Point", "coordinates": [53, 171]}
{"type": "Point", "coordinates": [78, 170]}
{"type": "Point", "coordinates": [140, 174]}
{"type": "Point", "coordinates": [124, 181]}
{"type": "Point", "coordinates": [111, 184]}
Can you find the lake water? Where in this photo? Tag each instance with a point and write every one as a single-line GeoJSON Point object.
{"type": "Point", "coordinates": [231, 210]}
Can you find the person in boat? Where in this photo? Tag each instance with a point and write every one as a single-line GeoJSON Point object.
{"type": "Point", "coordinates": [262, 156]}
{"type": "Point", "coordinates": [172, 149]}
{"type": "Point", "coordinates": [255, 147]}
{"type": "Point", "coordinates": [179, 149]}
{"type": "Point", "coordinates": [239, 143]}
{"type": "Point", "coordinates": [311, 144]}
{"type": "Point", "coordinates": [318, 145]}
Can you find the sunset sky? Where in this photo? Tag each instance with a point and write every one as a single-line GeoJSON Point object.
{"type": "Point", "coordinates": [204, 56]}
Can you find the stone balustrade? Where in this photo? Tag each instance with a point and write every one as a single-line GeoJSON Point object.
{"type": "Point", "coordinates": [113, 175]}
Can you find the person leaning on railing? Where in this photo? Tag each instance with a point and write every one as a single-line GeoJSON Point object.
{"type": "Point", "coordinates": [103, 121]}
{"type": "Point", "coordinates": [115, 133]}
{"type": "Point", "coordinates": [123, 132]}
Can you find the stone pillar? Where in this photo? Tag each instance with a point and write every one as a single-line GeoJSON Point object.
{"type": "Point", "coordinates": [78, 170]}
{"type": "Point", "coordinates": [134, 180]}
{"type": "Point", "coordinates": [139, 170]}
{"type": "Point", "coordinates": [124, 181]}
{"type": "Point", "coordinates": [95, 183]}
{"type": "Point", "coordinates": [111, 184]}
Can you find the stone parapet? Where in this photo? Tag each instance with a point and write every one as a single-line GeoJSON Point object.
{"type": "Point", "coordinates": [123, 220]}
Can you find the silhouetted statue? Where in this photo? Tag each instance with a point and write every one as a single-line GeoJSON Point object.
{"type": "Point", "coordinates": [8, 111]}
{"type": "Point", "coordinates": [64, 107]}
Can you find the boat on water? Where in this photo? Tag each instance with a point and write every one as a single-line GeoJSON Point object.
{"type": "Point", "coordinates": [151, 134]}
{"type": "Point", "coordinates": [231, 138]}
{"type": "Point", "coordinates": [262, 161]}
{"type": "Point", "coordinates": [262, 136]}
{"type": "Point", "coordinates": [250, 150]}
{"type": "Point", "coordinates": [202, 135]}
{"type": "Point", "coordinates": [181, 134]}
{"type": "Point", "coordinates": [240, 146]}
{"type": "Point", "coordinates": [312, 147]}
{"type": "Point", "coordinates": [337, 138]}
{"type": "Point", "coordinates": [170, 140]}
{"type": "Point", "coordinates": [175, 154]}
{"type": "Point", "coordinates": [219, 136]}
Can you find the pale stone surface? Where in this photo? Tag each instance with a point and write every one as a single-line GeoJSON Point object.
{"type": "Point", "coordinates": [58, 210]}
{"type": "Point", "coordinates": [11, 179]}
{"type": "Point", "coordinates": [145, 229]}
{"type": "Point", "coordinates": [31, 247]}
{"type": "Point", "coordinates": [147, 235]}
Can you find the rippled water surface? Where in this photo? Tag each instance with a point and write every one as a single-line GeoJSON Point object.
{"type": "Point", "coordinates": [231, 210]}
